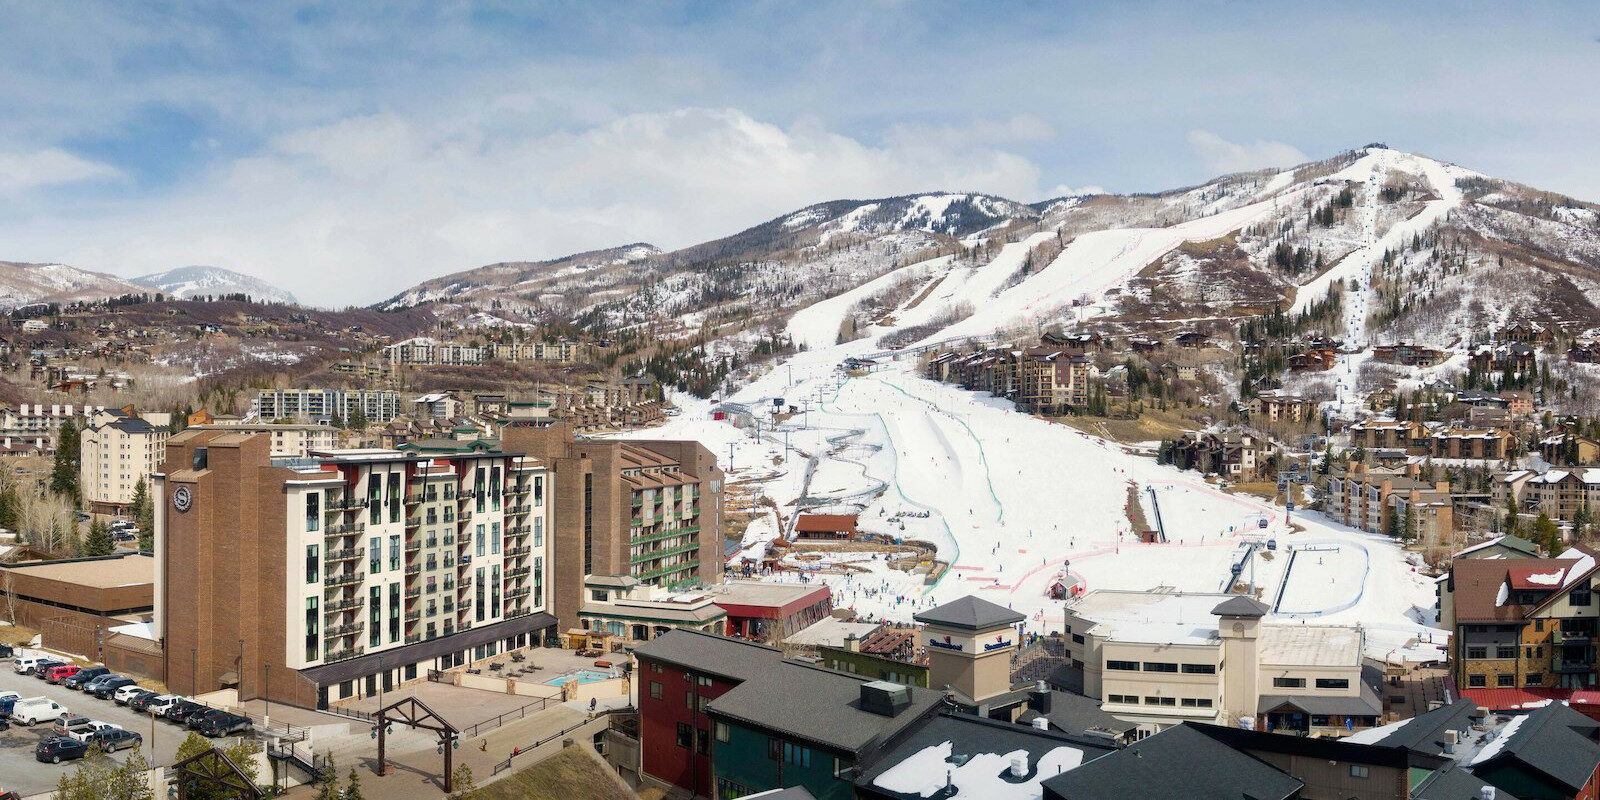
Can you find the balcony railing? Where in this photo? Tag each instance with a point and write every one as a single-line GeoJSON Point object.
{"type": "Point", "coordinates": [415, 591]}
{"type": "Point", "coordinates": [518, 593]}
{"type": "Point", "coordinates": [413, 616]}
{"type": "Point", "coordinates": [335, 631]}
{"type": "Point", "coordinates": [346, 528]}
{"type": "Point", "coordinates": [413, 523]}
{"type": "Point", "coordinates": [342, 579]}
{"type": "Point", "coordinates": [339, 606]}
{"type": "Point", "coordinates": [1571, 637]}
{"type": "Point", "coordinates": [413, 546]}
{"type": "Point", "coordinates": [413, 638]}
{"type": "Point", "coordinates": [414, 569]}
{"type": "Point", "coordinates": [347, 554]}
{"type": "Point", "coordinates": [344, 655]}
{"type": "Point", "coordinates": [650, 555]}
{"type": "Point", "coordinates": [464, 584]}
{"type": "Point", "coordinates": [656, 573]}
{"type": "Point", "coordinates": [518, 572]}
{"type": "Point", "coordinates": [515, 552]}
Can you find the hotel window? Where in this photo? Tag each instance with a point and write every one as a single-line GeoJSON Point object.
{"type": "Point", "coordinates": [1160, 666]}
{"type": "Point", "coordinates": [538, 491]}
{"type": "Point", "coordinates": [394, 613]}
{"type": "Point", "coordinates": [375, 554]}
{"type": "Point", "coordinates": [478, 586]}
{"type": "Point", "coordinates": [394, 497]}
{"type": "Point", "coordinates": [374, 499]}
{"type": "Point", "coordinates": [394, 552]}
{"type": "Point", "coordinates": [538, 531]}
{"type": "Point", "coordinates": [494, 537]}
{"type": "Point", "coordinates": [478, 490]}
{"type": "Point", "coordinates": [1289, 683]}
{"type": "Point", "coordinates": [1477, 681]}
{"type": "Point", "coordinates": [1128, 666]}
{"type": "Point", "coordinates": [313, 569]}
{"type": "Point", "coordinates": [374, 616]}
{"type": "Point", "coordinates": [494, 592]}
{"type": "Point", "coordinates": [684, 734]}
{"type": "Point", "coordinates": [1359, 771]}
{"type": "Point", "coordinates": [1333, 683]}
{"type": "Point", "coordinates": [655, 690]}
{"type": "Point", "coordinates": [494, 487]}
{"type": "Point", "coordinates": [1200, 669]}
{"type": "Point", "coordinates": [1504, 681]}
{"type": "Point", "coordinates": [721, 729]}
{"type": "Point", "coordinates": [311, 628]}
{"type": "Point", "coordinates": [1535, 678]}
{"type": "Point", "coordinates": [1477, 651]}
{"type": "Point", "coordinates": [1505, 651]}
{"type": "Point", "coordinates": [702, 744]}
{"type": "Point", "coordinates": [313, 511]}
{"type": "Point", "coordinates": [480, 541]}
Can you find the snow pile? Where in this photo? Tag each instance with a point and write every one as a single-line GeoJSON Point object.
{"type": "Point", "coordinates": [926, 773]}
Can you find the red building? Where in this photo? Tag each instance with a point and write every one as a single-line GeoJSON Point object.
{"type": "Point", "coordinates": [825, 526]}
{"type": "Point", "coordinates": [771, 612]}
{"type": "Point", "coordinates": [677, 677]}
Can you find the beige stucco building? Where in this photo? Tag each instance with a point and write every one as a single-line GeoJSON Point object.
{"type": "Point", "coordinates": [115, 453]}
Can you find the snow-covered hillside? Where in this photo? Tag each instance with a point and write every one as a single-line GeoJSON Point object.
{"type": "Point", "coordinates": [22, 284]}
{"type": "Point", "coordinates": [187, 282]}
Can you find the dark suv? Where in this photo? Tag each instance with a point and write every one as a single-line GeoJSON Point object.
{"type": "Point", "coordinates": [114, 739]}
{"type": "Point", "coordinates": [180, 711]}
{"type": "Point", "coordinates": [83, 676]}
{"type": "Point", "coordinates": [108, 687]}
{"type": "Point", "coordinates": [224, 724]}
{"type": "Point", "coordinates": [57, 749]}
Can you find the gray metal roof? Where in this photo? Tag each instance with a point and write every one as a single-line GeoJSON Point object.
{"type": "Point", "coordinates": [1453, 782]}
{"type": "Point", "coordinates": [733, 659]}
{"type": "Point", "coordinates": [1424, 733]}
{"type": "Point", "coordinates": [1178, 763]}
{"type": "Point", "coordinates": [969, 613]}
{"type": "Point", "coordinates": [1555, 741]}
{"type": "Point", "coordinates": [1074, 713]}
{"type": "Point", "coordinates": [971, 736]}
{"type": "Point", "coordinates": [818, 705]}
{"type": "Point", "coordinates": [1366, 703]}
{"type": "Point", "coordinates": [1241, 606]}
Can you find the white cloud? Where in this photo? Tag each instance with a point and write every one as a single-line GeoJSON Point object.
{"type": "Point", "coordinates": [1063, 190]}
{"type": "Point", "coordinates": [360, 209]}
{"type": "Point", "coordinates": [1221, 155]}
{"type": "Point", "coordinates": [23, 172]}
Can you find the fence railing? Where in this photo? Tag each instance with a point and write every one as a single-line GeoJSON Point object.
{"type": "Point", "coordinates": [506, 764]}
{"type": "Point", "coordinates": [490, 724]}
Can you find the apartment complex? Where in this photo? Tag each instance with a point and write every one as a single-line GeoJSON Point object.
{"type": "Point", "coordinates": [1045, 378]}
{"type": "Point", "coordinates": [648, 509]}
{"type": "Point", "coordinates": [1559, 493]}
{"type": "Point", "coordinates": [1162, 658]}
{"type": "Point", "coordinates": [1240, 456]}
{"type": "Point", "coordinates": [340, 574]}
{"type": "Point", "coordinates": [1432, 439]}
{"type": "Point", "coordinates": [116, 452]}
{"type": "Point", "coordinates": [36, 425]}
{"type": "Point", "coordinates": [424, 351]}
{"type": "Point", "coordinates": [1279, 406]}
{"type": "Point", "coordinates": [325, 405]}
{"type": "Point", "coordinates": [1377, 499]}
{"type": "Point", "coordinates": [1521, 623]}
{"type": "Point", "coordinates": [288, 439]}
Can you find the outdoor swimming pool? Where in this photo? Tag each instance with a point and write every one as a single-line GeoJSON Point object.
{"type": "Point", "coordinates": [581, 676]}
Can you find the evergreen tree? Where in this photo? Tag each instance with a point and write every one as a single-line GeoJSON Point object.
{"type": "Point", "coordinates": [99, 541]}
{"type": "Point", "coordinates": [352, 789]}
{"type": "Point", "coordinates": [144, 516]}
{"type": "Point", "coordinates": [462, 785]}
{"type": "Point", "coordinates": [64, 473]}
{"type": "Point", "coordinates": [1547, 534]}
{"type": "Point", "coordinates": [1408, 525]}
{"type": "Point", "coordinates": [1510, 528]}
{"type": "Point", "coordinates": [358, 420]}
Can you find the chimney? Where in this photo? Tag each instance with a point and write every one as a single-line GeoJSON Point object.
{"type": "Point", "coordinates": [1019, 766]}
{"type": "Point", "coordinates": [851, 643]}
{"type": "Point", "coordinates": [884, 698]}
{"type": "Point", "coordinates": [1413, 470]}
{"type": "Point", "coordinates": [1039, 698]}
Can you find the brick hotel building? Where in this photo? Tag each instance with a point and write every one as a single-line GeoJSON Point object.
{"type": "Point", "coordinates": [316, 579]}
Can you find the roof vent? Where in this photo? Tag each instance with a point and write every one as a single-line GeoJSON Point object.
{"type": "Point", "coordinates": [1019, 766]}
{"type": "Point", "coordinates": [885, 698]}
{"type": "Point", "coordinates": [1041, 723]}
{"type": "Point", "coordinates": [1486, 793]}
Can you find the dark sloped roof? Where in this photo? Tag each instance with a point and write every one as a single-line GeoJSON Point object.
{"type": "Point", "coordinates": [1453, 782]}
{"type": "Point", "coordinates": [1365, 703]}
{"type": "Point", "coordinates": [969, 613]}
{"type": "Point", "coordinates": [132, 425]}
{"type": "Point", "coordinates": [1074, 713]}
{"type": "Point", "coordinates": [1424, 733]}
{"type": "Point", "coordinates": [970, 736]}
{"type": "Point", "coordinates": [791, 793]}
{"type": "Point", "coordinates": [1179, 763]}
{"type": "Point", "coordinates": [818, 705]}
{"type": "Point", "coordinates": [1318, 749]}
{"type": "Point", "coordinates": [1241, 606]}
{"type": "Point", "coordinates": [1555, 741]}
{"type": "Point", "coordinates": [734, 659]}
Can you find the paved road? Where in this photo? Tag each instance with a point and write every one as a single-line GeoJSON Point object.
{"type": "Point", "coordinates": [20, 773]}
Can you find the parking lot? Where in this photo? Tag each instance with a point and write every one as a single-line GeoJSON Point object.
{"type": "Point", "coordinates": [19, 772]}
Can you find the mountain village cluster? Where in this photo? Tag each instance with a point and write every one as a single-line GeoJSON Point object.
{"type": "Point", "coordinates": [986, 523]}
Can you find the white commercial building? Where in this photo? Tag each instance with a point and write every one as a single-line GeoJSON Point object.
{"type": "Point", "coordinates": [324, 405]}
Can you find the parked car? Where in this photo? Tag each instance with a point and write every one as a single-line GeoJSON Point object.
{"type": "Point", "coordinates": [199, 718]}
{"type": "Point", "coordinates": [57, 749]}
{"type": "Point", "coordinates": [83, 676]}
{"type": "Point", "coordinates": [10, 695]}
{"type": "Point", "coordinates": [6, 652]}
{"type": "Point", "coordinates": [94, 683]}
{"type": "Point", "coordinates": [225, 724]}
{"type": "Point", "coordinates": [10, 796]}
{"type": "Point", "coordinates": [141, 698]}
{"type": "Point", "coordinates": [113, 739]}
{"type": "Point", "coordinates": [61, 673]}
{"type": "Point", "coordinates": [6, 704]}
{"type": "Point", "coordinates": [95, 726]}
{"type": "Point", "coordinates": [25, 664]}
{"type": "Point", "coordinates": [110, 686]}
{"type": "Point", "coordinates": [126, 693]}
{"type": "Point", "coordinates": [34, 710]}
{"type": "Point", "coordinates": [43, 666]}
{"type": "Point", "coordinates": [159, 704]}
{"type": "Point", "coordinates": [181, 710]}
{"type": "Point", "coordinates": [69, 724]}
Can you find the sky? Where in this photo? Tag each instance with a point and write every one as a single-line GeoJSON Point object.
{"type": "Point", "coordinates": [345, 151]}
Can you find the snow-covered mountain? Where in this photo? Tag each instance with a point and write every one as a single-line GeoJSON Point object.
{"type": "Point", "coordinates": [23, 284]}
{"type": "Point", "coordinates": [186, 282]}
{"type": "Point", "coordinates": [489, 285]}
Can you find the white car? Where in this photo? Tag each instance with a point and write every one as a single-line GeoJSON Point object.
{"type": "Point", "coordinates": [160, 705]}
{"type": "Point", "coordinates": [10, 695]}
{"type": "Point", "coordinates": [34, 710]}
{"type": "Point", "coordinates": [126, 693]}
{"type": "Point", "coordinates": [23, 664]}
{"type": "Point", "coordinates": [83, 734]}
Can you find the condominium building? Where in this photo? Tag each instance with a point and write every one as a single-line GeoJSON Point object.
{"type": "Point", "coordinates": [1559, 493]}
{"type": "Point", "coordinates": [1162, 658]}
{"type": "Point", "coordinates": [425, 351]}
{"type": "Point", "coordinates": [1521, 623]}
{"type": "Point", "coordinates": [37, 424]}
{"type": "Point", "coordinates": [324, 405]}
{"type": "Point", "coordinates": [648, 509]}
{"type": "Point", "coordinates": [114, 456]}
{"type": "Point", "coordinates": [1376, 499]}
{"type": "Point", "coordinates": [288, 439]}
{"type": "Point", "coordinates": [314, 580]}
